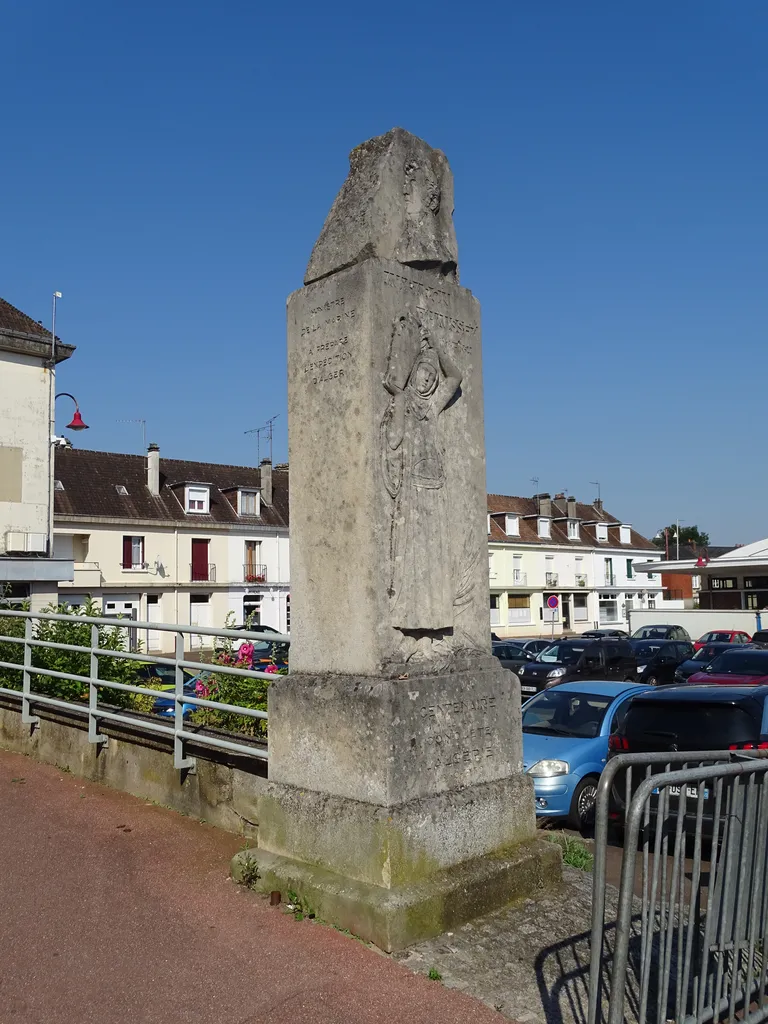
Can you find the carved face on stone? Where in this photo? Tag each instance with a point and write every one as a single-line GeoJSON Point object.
{"type": "Point", "coordinates": [425, 378]}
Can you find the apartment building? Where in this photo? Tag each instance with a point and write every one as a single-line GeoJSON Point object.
{"type": "Point", "coordinates": [544, 548]}
{"type": "Point", "coordinates": [165, 540]}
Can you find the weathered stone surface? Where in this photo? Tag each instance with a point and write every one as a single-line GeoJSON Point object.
{"type": "Point", "coordinates": [387, 453]}
{"type": "Point", "coordinates": [388, 741]}
{"type": "Point", "coordinates": [397, 204]}
{"type": "Point", "coordinates": [394, 918]}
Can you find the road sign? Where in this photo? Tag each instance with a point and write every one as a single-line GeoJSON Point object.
{"type": "Point", "coordinates": [553, 601]}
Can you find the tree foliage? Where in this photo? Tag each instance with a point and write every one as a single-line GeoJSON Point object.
{"type": "Point", "coordinates": [691, 536]}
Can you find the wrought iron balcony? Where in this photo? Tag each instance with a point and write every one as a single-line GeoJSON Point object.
{"type": "Point", "coordinates": [254, 573]}
{"type": "Point", "coordinates": [519, 578]}
{"type": "Point", "coordinates": [203, 573]}
{"type": "Point", "coordinates": [610, 580]}
{"type": "Point", "coordinates": [581, 579]}
{"type": "Point", "coordinates": [550, 579]}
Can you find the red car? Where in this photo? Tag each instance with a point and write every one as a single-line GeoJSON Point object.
{"type": "Point", "coordinates": [723, 636]}
{"type": "Point", "coordinates": [739, 667]}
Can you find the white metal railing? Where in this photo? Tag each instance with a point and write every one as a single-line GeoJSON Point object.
{"type": "Point", "coordinates": [581, 579]}
{"type": "Point", "coordinates": [519, 578]}
{"type": "Point", "coordinates": [550, 579]}
{"type": "Point", "coordinates": [96, 713]}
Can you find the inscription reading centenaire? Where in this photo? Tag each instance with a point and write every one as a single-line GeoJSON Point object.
{"type": "Point", "coordinates": [449, 743]}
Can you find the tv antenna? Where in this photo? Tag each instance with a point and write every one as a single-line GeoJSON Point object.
{"type": "Point", "coordinates": [143, 425]}
{"type": "Point", "coordinates": [535, 482]}
{"type": "Point", "coordinates": [258, 431]}
{"type": "Point", "coordinates": [596, 483]}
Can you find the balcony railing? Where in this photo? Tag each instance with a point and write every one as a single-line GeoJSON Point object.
{"type": "Point", "coordinates": [550, 579]}
{"type": "Point", "coordinates": [203, 573]}
{"type": "Point", "coordinates": [253, 573]}
{"type": "Point", "coordinates": [581, 579]}
{"type": "Point", "coordinates": [610, 580]}
{"type": "Point", "coordinates": [519, 578]}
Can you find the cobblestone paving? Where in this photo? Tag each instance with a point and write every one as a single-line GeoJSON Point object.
{"type": "Point", "coordinates": [529, 961]}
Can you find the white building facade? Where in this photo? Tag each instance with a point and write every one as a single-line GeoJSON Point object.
{"type": "Point", "coordinates": [557, 566]}
{"type": "Point", "coordinates": [28, 359]}
{"type": "Point", "coordinates": [161, 540]}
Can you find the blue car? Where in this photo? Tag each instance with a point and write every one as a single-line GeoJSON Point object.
{"type": "Point", "coordinates": [565, 744]}
{"type": "Point", "coordinates": [166, 706]}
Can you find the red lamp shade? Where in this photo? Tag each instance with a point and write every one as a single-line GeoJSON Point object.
{"type": "Point", "coordinates": [77, 422]}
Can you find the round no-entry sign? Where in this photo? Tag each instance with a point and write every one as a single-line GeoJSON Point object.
{"type": "Point", "coordinates": [553, 601]}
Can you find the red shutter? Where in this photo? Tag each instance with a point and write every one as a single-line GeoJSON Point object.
{"type": "Point", "coordinates": [127, 553]}
{"type": "Point", "coordinates": [200, 560]}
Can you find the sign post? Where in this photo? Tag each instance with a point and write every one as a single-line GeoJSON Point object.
{"type": "Point", "coordinates": [553, 602]}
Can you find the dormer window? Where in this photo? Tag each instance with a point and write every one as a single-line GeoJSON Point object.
{"type": "Point", "coordinates": [512, 526]}
{"type": "Point", "coordinates": [196, 499]}
{"type": "Point", "coordinates": [248, 503]}
{"type": "Point", "coordinates": [625, 534]}
{"type": "Point", "coordinates": [602, 533]}
{"type": "Point", "coordinates": [573, 529]}
{"type": "Point", "coordinates": [544, 527]}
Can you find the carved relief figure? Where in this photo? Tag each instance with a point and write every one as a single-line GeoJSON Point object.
{"type": "Point", "coordinates": [421, 381]}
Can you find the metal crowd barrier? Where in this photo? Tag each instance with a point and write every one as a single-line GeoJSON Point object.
{"type": "Point", "coordinates": [96, 713]}
{"type": "Point", "coordinates": [691, 929]}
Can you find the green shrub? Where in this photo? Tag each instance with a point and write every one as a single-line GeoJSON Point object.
{"type": "Point", "coordinates": [10, 651]}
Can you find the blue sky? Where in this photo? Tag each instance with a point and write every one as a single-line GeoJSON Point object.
{"type": "Point", "coordinates": [168, 167]}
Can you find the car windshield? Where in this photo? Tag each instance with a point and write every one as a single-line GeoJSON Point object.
{"type": "Point", "coordinates": [706, 653]}
{"type": "Point", "coordinates": [563, 654]}
{"type": "Point", "coordinates": [561, 712]}
{"type": "Point", "coordinates": [647, 648]}
{"type": "Point", "coordinates": [651, 633]}
{"type": "Point", "coordinates": [741, 663]}
{"type": "Point", "coordinates": [720, 638]}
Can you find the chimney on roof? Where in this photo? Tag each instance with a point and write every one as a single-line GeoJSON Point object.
{"type": "Point", "coordinates": [545, 505]}
{"type": "Point", "coordinates": [598, 504]}
{"type": "Point", "coordinates": [265, 470]}
{"type": "Point", "coordinates": [153, 469]}
{"type": "Point", "coordinates": [559, 497]}
{"type": "Point", "coordinates": [571, 505]}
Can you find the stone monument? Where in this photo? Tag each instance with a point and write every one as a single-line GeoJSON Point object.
{"type": "Point", "coordinates": [397, 806]}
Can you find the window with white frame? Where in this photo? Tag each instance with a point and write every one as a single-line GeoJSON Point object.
{"type": "Point", "coordinates": [518, 609]}
{"type": "Point", "coordinates": [495, 610]}
{"type": "Point", "coordinates": [512, 526]}
{"type": "Point", "coordinates": [651, 600]}
{"type": "Point", "coordinates": [608, 608]}
{"type": "Point", "coordinates": [573, 529]}
{"type": "Point", "coordinates": [248, 503]}
{"type": "Point", "coordinates": [196, 499]}
{"type": "Point", "coordinates": [544, 527]}
{"type": "Point", "coordinates": [133, 552]}
{"type": "Point", "coordinates": [625, 534]}
{"type": "Point", "coordinates": [580, 609]}
{"type": "Point", "coordinates": [601, 530]}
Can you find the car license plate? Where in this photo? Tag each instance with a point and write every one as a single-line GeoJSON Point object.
{"type": "Point", "coordinates": [528, 689]}
{"type": "Point", "coordinates": [691, 792]}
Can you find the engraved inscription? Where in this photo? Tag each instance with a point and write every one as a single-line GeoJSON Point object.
{"type": "Point", "coordinates": [437, 295]}
{"type": "Point", "coordinates": [341, 319]}
{"type": "Point", "coordinates": [330, 359]}
{"type": "Point", "coordinates": [450, 743]}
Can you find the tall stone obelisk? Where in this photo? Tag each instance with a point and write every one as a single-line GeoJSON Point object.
{"type": "Point", "coordinates": [397, 806]}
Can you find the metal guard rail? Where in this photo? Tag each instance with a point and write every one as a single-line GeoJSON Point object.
{"type": "Point", "coordinates": [95, 713]}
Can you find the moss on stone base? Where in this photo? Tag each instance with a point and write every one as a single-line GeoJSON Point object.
{"type": "Point", "coordinates": [397, 917]}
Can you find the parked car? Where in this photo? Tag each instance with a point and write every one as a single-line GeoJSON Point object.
{"type": "Point", "coordinates": [657, 660]}
{"type": "Point", "coordinates": [568, 660]}
{"type": "Point", "coordinates": [661, 632]}
{"type": "Point", "coordinates": [598, 634]}
{"type": "Point", "coordinates": [511, 654]}
{"type": "Point", "coordinates": [760, 636]}
{"type": "Point", "coordinates": [723, 636]}
{"type": "Point", "coordinates": [565, 744]}
{"type": "Point", "coordinates": [699, 661]}
{"type": "Point", "coordinates": [165, 706]}
{"type": "Point", "coordinates": [738, 666]}
{"type": "Point", "coordinates": [674, 718]}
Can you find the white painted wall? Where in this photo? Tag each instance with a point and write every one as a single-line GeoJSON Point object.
{"type": "Point", "coordinates": [697, 621]}
{"type": "Point", "coordinates": [24, 423]}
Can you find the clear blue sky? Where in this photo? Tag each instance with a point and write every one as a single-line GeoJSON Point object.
{"type": "Point", "coordinates": [168, 166]}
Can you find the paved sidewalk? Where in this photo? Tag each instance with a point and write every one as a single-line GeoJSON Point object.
{"type": "Point", "coordinates": [113, 910]}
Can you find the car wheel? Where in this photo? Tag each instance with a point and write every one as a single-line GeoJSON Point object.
{"type": "Point", "coordinates": [651, 681]}
{"type": "Point", "coordinates": [583, 803]}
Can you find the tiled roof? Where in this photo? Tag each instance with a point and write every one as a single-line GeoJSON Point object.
{"type": "Point", "coordinates": [90, 481]}
{"type": "Point", "coordinates": [507, 503]}
{"type": "Point", "coordinates": [12, 319]}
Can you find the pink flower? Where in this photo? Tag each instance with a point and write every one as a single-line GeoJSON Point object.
{"type": "Point", "coordinates": [271, 668]}
{"type": "Point", "coordinates": [201, 689]}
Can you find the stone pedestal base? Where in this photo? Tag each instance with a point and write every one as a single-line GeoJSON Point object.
{"type": "Point", "coordinates": [398, 808]}
{"type": "Point", "coordinates": [398, 917]}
